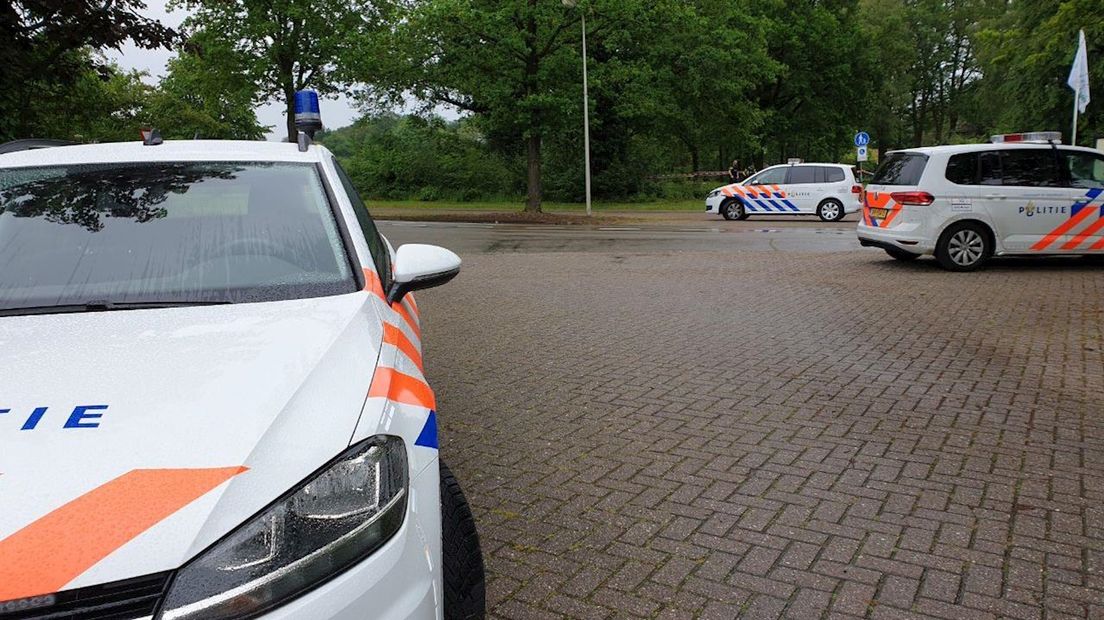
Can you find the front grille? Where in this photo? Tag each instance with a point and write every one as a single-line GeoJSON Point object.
{"type": "Point", "coordinates": [119, 600]}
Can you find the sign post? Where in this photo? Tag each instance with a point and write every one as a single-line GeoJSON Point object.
{"type": "Point", "coordinates": [862, 139]}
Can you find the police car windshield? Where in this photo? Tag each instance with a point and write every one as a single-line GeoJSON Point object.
{"type": "Point", "coordinates": [121, 235]}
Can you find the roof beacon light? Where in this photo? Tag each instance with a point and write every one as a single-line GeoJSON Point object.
{"type": "Point", "coordinates": [1042, 137]}
{"type": "Point", "coordinates": [307, 117]}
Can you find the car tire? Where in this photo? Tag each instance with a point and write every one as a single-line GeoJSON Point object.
{"type": "Point", "coordinates": [901, 254]}
{"type": "Point", "coordinates": [733, 209]}
{"type": "Point", "coordinates": [965, 246]}
{"type": "Point", "coordinates": [461, 557]}
{"type": "Point", "coordinates": [830, 210]}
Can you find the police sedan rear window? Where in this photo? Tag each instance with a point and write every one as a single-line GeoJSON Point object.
{"type": "Point", "coordinates": [167, 233]}
{"type": "Point", "coordinates": [901, 169]}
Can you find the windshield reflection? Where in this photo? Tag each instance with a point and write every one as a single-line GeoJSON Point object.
{"type": "Point", "coordinates": [108, 191]}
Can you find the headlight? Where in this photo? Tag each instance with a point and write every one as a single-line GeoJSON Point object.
{"type": "Point", "coordinates": [714, 193]}
{"type": "Point", "coordinates": [326, 524]}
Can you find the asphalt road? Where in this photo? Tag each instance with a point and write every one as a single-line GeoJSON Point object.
{"type": "Point", "coordinates": [729, 423]}
{"type": "Point", "coordinates": [806, 235]}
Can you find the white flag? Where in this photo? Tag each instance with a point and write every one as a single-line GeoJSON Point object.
{"type": "Point", "coordinates": [1079, 75]}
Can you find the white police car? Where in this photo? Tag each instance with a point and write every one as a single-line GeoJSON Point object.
{"type": "Point", "coordinates": [1022, 194]}
{"type": "Point", "coordinates": [213, 403]}
{"type": "Point", "coordinates": [826, 190]}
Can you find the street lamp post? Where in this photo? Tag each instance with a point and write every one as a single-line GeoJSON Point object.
{"type": "Point", "coordinates": [586, 106]}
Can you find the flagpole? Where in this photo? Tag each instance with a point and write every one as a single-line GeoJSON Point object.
{"type": "Point", "coordinates": [1076, 102]}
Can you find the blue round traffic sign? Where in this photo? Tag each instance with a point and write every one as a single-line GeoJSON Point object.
{"type": "Point", "coordinates": [862, 138]}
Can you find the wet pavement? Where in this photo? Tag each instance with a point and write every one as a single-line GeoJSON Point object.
{"type": "Point", "coordinates": [763, 420]}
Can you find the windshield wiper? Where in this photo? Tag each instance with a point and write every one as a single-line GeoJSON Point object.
{"type": "Point", "coordinates": [105, 306]}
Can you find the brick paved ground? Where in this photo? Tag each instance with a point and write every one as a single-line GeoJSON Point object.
{"type": "Point", "coordinates": [776, 434]}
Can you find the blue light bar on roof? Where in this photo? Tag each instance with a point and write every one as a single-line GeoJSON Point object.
{"type": "Point", "coordinates": [307, 116]}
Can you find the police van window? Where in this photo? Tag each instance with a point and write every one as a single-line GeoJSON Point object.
{"type": "Point", "coordinates": [774, 176]}
{"type": "Point", "coordinates": [901, 169]}
{"type": "Point", "coordinates": [833, 175]}
{"type": "Point", "coordinates": [989, 168]}
{"type": "Point", "coordinates": [1030, 168]}
{"type": "Point", "coordinates": [381, 256]}
{"type": "Point", "coordinates": [962, 169]}
{"type": "Point", "coordinates": [800, 175]}
{"type": "Point", "coordinates": [1085, 169]}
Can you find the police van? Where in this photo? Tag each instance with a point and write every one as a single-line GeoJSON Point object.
{"type": "Point", "coordinates": [213, 404]}
{"type": "Point", "coordinates": [1022, 194]}
{"type": "Point", "coordinates": [826, 190]}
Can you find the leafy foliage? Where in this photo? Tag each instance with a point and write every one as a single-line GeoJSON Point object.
{"type": "Point", "coordinates": [675, 86]}
{"type": "Point", "coordinates": [281, 46]}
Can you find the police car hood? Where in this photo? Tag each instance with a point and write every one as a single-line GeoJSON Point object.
{"type": "Point", "coordinates": [131, 440]}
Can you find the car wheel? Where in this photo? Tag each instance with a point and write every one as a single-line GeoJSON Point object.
{"type": "Point", "coordinates": [831, 210]}
{"type": "Point", "coordinates": [733, 209]}
{"type": "Point", "coordinates": [901, 254]}
{"type": "Point", "coordinates": [462, 559]}
{"type": "Point", "coordinates": [964, 247]}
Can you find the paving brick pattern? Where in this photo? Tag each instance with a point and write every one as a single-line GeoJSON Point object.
{"type": "Point", "coordinates": [770, 435]}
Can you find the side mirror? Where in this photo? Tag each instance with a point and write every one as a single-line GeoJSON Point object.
{"type": "Point", "coordinates": [419, 266]}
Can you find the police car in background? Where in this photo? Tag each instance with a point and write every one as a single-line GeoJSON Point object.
{"type": "Point", "coordinates": [1021, 194]}
{"type": "Point", "coordinates": [213, 403]}
{"type": "Point", "coordinates": [826, 190]}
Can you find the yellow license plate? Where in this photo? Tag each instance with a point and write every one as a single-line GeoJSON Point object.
{"type": "Point", "coordinates": [879, 213]}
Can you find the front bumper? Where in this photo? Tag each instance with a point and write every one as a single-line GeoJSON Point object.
{"type": "Point", "coordinates": [713, 203]}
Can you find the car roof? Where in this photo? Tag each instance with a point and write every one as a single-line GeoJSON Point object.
{"type": "Point", "coordinates": [951, 149]}
{"type": "Point", "coordinates": [170, 150]}
{"type": "Point", "coordinates": [811, 163]}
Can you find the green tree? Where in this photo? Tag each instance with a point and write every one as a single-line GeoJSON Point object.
{"type": "Point", "coordinates": [282, 46]}
{"type": "Point", "coordinates": [506, 62]}
{"type": "Point", "coordinates": [49, 56]}
{"type": "Point", "coordinates": [1026, 56]}
{"type": "Point", "coordinates": [206, 94]}
{"type": "Point", "coordinates": [813, 104]}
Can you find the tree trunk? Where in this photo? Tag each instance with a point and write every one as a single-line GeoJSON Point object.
{"type": "Point", "coordinates": [292, 133]}
{"type": "Point", "coordinates": [533, 199]}
{"type": "Point", "coordinates": [533, 154]}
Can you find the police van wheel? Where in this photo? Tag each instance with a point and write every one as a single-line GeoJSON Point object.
{"type": "Point", "coordinates": [831, 210]}
{"type": "Point", "coordinates": [733, 210]}
{"type": "Point", "coordinates": [462, 559]}
{"type": "Point", "coordinates": [964, 247]}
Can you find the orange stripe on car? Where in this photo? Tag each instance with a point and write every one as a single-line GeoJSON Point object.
{"type": "Point", "coordinates": [1084, 234]}
{"type": "Point", "coordinates": [413, 305]}
{"type": "Point", "coordinates": [372, 283]}
{"type": "Point", "coordinates": [394, 336]}
{"type": "Point", "coordinates": [893, 211]}
{"type": "Point", "coordinates": [410, 320]}
{"type": "Point", "coordinates": [48, 553]}
{"type": "Point", "coordinates": [778, 190]}
{"type": "Point", "coordinates": [401, 388]}
{"type": "Point", "coordinates": [1045, 242]}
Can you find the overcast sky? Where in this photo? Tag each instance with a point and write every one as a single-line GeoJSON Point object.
{"type": "Point", "coordinates": [335, 112]}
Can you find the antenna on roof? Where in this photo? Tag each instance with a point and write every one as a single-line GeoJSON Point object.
{"type": "Point", "coordinates": [151, 137]}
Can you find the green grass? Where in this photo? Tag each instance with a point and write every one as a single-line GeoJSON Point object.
{"type": "Point", "coordinates": [548, 207]}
